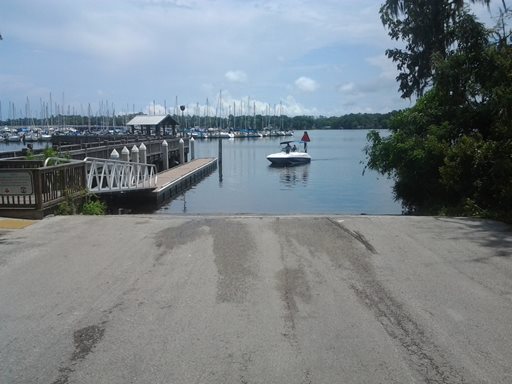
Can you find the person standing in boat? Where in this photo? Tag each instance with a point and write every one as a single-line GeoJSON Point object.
{"type": "Point", "coordinates": [305, 139]}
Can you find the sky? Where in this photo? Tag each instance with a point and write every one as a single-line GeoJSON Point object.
{"type": "Point", "coordinates": [292, 57]}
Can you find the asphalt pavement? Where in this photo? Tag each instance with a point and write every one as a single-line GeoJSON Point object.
{"type": "Point", "coordinates": [256, 299]}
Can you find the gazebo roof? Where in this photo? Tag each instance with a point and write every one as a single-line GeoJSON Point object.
{"type": "Point", "coordinates": [152, 120]}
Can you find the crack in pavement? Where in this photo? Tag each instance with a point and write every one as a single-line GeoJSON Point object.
{"type": "Point", "coordinates": [422, 354]}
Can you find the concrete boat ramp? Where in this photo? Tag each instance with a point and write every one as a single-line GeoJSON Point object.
{"type": "Point", "coordinates": [255, 299]}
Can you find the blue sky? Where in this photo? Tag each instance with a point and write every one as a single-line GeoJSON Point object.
{"type": "Point", "coordinates": [312, 57]}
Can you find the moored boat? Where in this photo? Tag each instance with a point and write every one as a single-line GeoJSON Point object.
{"type": "Point", "coordinates": [45, 137]}
{"type": "Point", "coordinates": [14, 138]}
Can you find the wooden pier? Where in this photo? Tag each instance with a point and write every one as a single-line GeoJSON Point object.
{"type": "Point", "coordinates": [175, 180]}
{"type": "Point", "coordinates": [32, 191]}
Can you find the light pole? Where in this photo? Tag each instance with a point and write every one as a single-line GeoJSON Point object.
{"type": "Point", "coordinates": [182, 107]}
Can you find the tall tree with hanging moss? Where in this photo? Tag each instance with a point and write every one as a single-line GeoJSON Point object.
{"type": "Point", "coordinates": [452, 152]}
{"type": "Point", "coordinates": [427, 27]}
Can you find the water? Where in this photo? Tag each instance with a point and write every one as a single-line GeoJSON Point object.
{"type": "Point", "coordinates": [18, 146]}
{"type": "Point", "coordinates": [332, 183]}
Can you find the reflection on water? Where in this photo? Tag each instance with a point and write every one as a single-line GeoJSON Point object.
{"type": "Point", "coordinates": [293, 176]}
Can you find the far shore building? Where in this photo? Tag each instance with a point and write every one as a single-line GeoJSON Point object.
{"type": "Point", "coordinates": [153, 125]}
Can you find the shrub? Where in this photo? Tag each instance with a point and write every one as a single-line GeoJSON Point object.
{"type": "Point", "coordinates": [94, 207]}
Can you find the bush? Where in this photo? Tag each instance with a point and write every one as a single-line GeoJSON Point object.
{"type": "Point", "coordinates": [66, 208]}
{"type": "Point", "coordinates": [94, 207]}
{"type": "Point", "coordinates": [91, 206]}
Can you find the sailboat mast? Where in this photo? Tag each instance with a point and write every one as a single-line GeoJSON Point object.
{"type": "Point", "coordinates": [207, 114]}
{"type": "Point", "coordinates": [234, 115]}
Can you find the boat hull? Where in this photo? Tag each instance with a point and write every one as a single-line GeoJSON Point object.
{"type": "Point", "coordinates": [289, 159]}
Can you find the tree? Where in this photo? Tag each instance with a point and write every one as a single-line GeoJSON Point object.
{"type": "Point", "coordinates": [451, 152]}
{"type": "Point", "coordinates": [428, 29]}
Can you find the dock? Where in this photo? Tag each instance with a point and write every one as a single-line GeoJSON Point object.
{"type": "Point", "coordinates": [31, 190]}
{"type": "Point", "coordinates": [80, 147]}
{"type": "Point", "coordinates": [175, 180]}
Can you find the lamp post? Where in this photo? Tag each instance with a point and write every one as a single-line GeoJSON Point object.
{"type": "Point", "coordinates": [182, 107]}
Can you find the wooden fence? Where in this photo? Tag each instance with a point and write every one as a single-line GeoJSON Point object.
{"type": "Point", "coordinates": [29, 189]}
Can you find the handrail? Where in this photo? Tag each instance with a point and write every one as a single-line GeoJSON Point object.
{"type": "Point", "coordinates": [107, 175]}
{"type": "Point", "coordinates": [60, 160]}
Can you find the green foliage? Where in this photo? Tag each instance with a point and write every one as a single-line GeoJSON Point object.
{"type": "Point", "coordinates": [81, 203]}
{"type": "Point", "coordinates": [428, 28]}
{"type": "Point", "coordinates": [65, 208]}
{"type": "Point", "coordinates": [411, 156]}
{"type": "Point", "coordinates": [94, 207]}
{"type": "Point", "coordinates": [68, 206]}
{"type": "Point", "coordinates": [452, 152]}
{"type": "Point", "coordinates": [357, 121]}
{"type": "Point", "coordinates": [50, 152]}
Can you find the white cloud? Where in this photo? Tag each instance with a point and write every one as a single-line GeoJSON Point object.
{"type": "Point", "coordinates": [306, 84]}
{"type": "Point", "coordinates": [292, 108]}
{"type": "Point", "coordinates": [387, 67]}
{"type": "Point", "coordinates": [225, 104]}
{"type": "Point", "coordinates": [155, 109]}
{"type": "Point", "coordinates": [169, 3]}
{"type": "Point", "coordinates": [346, 88]}
{"type": "Point", "coordinates": [132, 51]}
{"type": "Point", "coordinates": [236, 76]}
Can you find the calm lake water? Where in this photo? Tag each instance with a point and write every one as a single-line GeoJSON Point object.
{"type": "Point", "coordinates": [332, 183]}
{"type": "Point", "coordinates": [7, 147]}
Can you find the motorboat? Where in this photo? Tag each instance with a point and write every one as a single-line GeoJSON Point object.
{"type": "Point", "coordinates": [290, 155]}
{"type": "Point", "coordinates": [221, 135]}
{"type": "Point", "coordinates": [198, 133]}
{"type": "Point", "coordinates": [45, 137]}
{"type": "Point", "coordinates": [14, 138]}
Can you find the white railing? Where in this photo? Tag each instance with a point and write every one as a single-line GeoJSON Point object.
{"type": "Point", "coordinates": [105, 175]}
{"type": "Point", "coordinates": [58, 160]}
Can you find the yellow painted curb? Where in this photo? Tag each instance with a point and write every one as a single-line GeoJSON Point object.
{"type": "Point", "coordinates": [15, 223]}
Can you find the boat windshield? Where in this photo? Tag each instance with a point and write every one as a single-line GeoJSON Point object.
{"type": "Point", "coordinates": [288, 146]}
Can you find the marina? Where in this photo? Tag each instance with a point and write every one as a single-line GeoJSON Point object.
{"type": "Point", "coordinates": [33, 187]}
{"type": "Point", "coordinates": [243, 181]}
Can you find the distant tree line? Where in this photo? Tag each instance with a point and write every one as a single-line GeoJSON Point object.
{"type": "Point", "coordinates": [350, 121]}
{"type": "Point", "coordinates": [357, 121]}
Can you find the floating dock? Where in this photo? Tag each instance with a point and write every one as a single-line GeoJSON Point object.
{"type": "Point", "coordinates": [32, 191]}
{"type": "Point", "coordinates": [177, 179]}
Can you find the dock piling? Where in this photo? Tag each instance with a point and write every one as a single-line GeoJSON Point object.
{"type": "Point", "coordinates": [192, 149]}
{"type": "Point", "coordinates": [220, 161]}
{"type": "Point", "coordinates": [125, 154]}
{"type": "Point", "coordinates": [142, 153]}
{"type": "Point", "coordinates": [135, 154]}
{"type": "Point", "coordinates": [165, 155]}
{"type": "Point", "coordinates": [181, 146]}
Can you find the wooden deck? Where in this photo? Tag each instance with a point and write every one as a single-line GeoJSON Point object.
{"type": "Point", "coordinates": [177, 179]}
